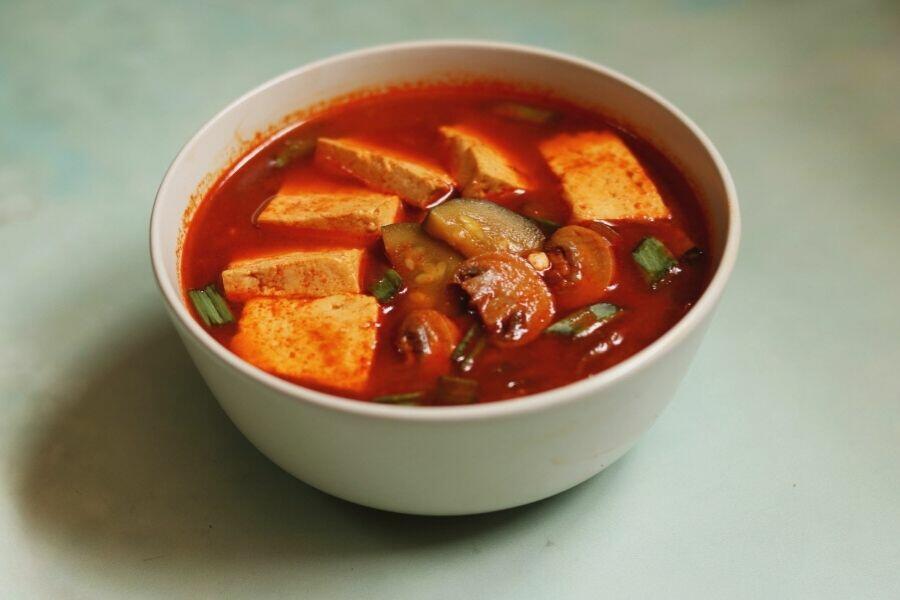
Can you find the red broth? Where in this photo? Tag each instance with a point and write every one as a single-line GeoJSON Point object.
{"type": "Point", "coordinates": [223, 229]}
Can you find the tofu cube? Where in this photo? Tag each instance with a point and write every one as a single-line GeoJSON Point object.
{"type": "Point", "coordinates": [304, 274]}
{"type": "Point", "coordinates": [328, 341]}
{"type": "Point", "coordinates": [601, 178]}
{"type": "Point", "coordinates": [361, 213]}
{"type": "Point", "coordinates": [416, 184]}
{"type": "Point", "coordinates": [479, 168]}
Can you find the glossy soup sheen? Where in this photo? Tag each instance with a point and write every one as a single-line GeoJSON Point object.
{"type": "Point", "coordinates": [223, 229]}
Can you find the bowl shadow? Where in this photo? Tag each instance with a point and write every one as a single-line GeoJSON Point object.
{"type": "Point", "coordinates": [138, 462]}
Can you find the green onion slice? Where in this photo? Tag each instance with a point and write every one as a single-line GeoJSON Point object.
{"type": "Point", "coordinates": [456, 390]}
{"type": "Point", "coordinates": [585, 321]}
{"type": "Point", "coordinates": [524, 112]}
{"type": "Point", "coordinates": [219, 302]}
{"type": "Point", "coordinates": [408, 398]}
{"type": "Point", "coordinates": [203, 306]}
{"type": "Point", "coordinates": [387, 287]}
{"type": "Point", "coordinates": [460, 349]}
{"type": "Point", "coordinates": [469, 348]}
{"type": "Point", "coordinates": [654, 258]}
{"type": "Point", "coordinates": [292, 150]}
{"type": "Point", "coordinates": [211, 306]}
{"type": "Point", "coordinates": [468, 360]}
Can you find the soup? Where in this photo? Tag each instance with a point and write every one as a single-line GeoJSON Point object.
{"type": "Point", "coordinates": [445, 245]}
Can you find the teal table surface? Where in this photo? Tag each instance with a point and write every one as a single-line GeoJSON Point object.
{"type": "Point", "coordinates": [774, 473]}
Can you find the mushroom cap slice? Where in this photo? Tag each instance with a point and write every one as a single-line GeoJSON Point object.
{"type": "Point", "coordinates": [513, 301]}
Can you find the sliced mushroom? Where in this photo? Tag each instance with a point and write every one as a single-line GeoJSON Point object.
{"type": "Point", "coordinates": [427, 337]}
{"type": "Point", "coordinates": [512, 299]}
{"type": "Point", "coordinates": [581, 265]}
{"type": "Point", "coordinates": [604, 229]}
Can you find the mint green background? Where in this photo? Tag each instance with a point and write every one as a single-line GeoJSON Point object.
{"type": "Point", "coordinates": [775, 473]}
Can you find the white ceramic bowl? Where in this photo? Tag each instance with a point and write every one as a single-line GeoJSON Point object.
{"type": "Point", "coordinates": [458, 459]}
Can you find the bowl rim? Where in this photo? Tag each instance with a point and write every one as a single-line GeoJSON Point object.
{"type": "Point", "coordinates": [591, 385]}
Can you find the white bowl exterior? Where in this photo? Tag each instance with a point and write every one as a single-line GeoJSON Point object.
{"type": "Point", "coordinates": [445, 467]}
{"type": "Point", "coordinates": [455, 460]}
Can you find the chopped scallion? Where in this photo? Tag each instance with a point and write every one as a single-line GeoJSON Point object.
{"type": "Point", "coordinates": [584, 321]}
{"type": "Point", "coordinates": [211, 306]}
{"type": "Point", "coordinates": [387, 287]}
{"type": "Point", "coordinates": [468, 360]}
{"type": "Point", "coordinates": [408, 398]}
{"type": "Point", "coordinates": [203, 306]}
{"type": "Point", "coordinates": [460, 349]}
{"type": "Point", "coordinates": [456, 390]}
{"type": "Point", "coordinates": [469, 348]}
{"type": "Point", "coordinates": [220, 304]}
{"type": "Point", "coordinates": [654, 258]}
{"type": "Point", "coordinates": [292, 150]}
{"type": "Point", "coordinates": [524, 112]}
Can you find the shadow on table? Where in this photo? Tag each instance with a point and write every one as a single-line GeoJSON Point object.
{"type": "Point", "coordinates": [141, 464]}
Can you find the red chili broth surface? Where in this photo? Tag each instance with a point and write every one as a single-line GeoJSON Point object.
{"type": "Point", "coordinates": [223, 229]}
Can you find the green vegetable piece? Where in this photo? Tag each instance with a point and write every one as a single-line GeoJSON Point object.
{"type": "Point", "coordinates": [456, 390]}
{"type": "Point", "coordinates": [525, 112]}
{"type": "Point", "coordinates": [292, 150]}
{"type": "Point", "coordinates": [463, 344]}
{"type": "Point", "coordinates": [475, 227]}
{"type": "Point", "coordinates": [469, 348]}
{"type": "Point", "coordinates": [203, 306]}
{"type": "Point", "coordinates": [387, 287]}
{"type": "Point", "coordinates": [468, 361]}
{"type": "Point", "coordinates": [211, 307]}
{"type": "Point", "coordinates": [408, 398]}
{"type": "Point", "coordinates": [219, 303]}
{"type": "Point", "coordinates": [585, 321]}
{"type": "Point", "coordinates": [654, 258]}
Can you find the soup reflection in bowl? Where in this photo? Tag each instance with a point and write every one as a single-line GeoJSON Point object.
{"type": "Point", "coordinates": [445, 277]}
